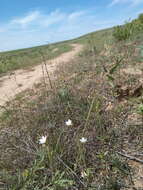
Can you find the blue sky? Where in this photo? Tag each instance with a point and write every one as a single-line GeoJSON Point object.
{"type": "Point", "coordinates": [28, 23]}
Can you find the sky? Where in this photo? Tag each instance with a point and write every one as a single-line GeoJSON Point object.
{"type": "Point", "coordinates": [29, 23]}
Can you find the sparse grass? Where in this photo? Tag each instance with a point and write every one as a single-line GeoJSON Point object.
{"type": "Point", "coordinates": [89, 91]}
{"type": "Point", "coordinates": [26, 58]}
{"type": "Point", "coordinates": [96, 40]}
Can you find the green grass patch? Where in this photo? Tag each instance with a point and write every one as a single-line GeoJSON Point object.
{"type": "Point", "coordinates": [25, 58]}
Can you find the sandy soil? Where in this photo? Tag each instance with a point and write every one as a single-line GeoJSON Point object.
{"type": "Point", "coordinates": [20, 80]}
{"type": "Point", "coordinates": [132, 71]}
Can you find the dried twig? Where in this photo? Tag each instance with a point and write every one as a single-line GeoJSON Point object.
{"type": "Point", "coordinates": [131, 157]}
{"type": "Point", "coordinates": [44, 63]}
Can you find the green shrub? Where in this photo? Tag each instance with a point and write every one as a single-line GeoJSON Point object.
{"type": "Point", "coordinates": [140, 18]}
{"type": "Point", "coordinates": [123, 32]}
{"type": "Point", "coordinates": [129, 29]}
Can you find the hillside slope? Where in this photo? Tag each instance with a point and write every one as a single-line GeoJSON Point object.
{"type": "Point", "coordinates": [20, 80]}
{"type": "Point", "coordinates": [26, 58]}
{"type": "Point", "coordinates": [86, 131]}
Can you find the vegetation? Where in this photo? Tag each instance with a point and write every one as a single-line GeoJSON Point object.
{"type": "Point", "coordinates": [26, 58]}
{"type": "Point", "coordinates": [129, 29]}
{"type": "Point", "coordinates": [82, 132]}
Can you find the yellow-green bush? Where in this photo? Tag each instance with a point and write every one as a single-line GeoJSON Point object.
{"type": "Point", "coordinates": [140, 18]}
{"type": "Point", "coordinates": [124, 32]}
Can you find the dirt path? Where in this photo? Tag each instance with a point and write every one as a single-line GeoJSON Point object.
{"type": "Point", "coordinates": [11, 85]}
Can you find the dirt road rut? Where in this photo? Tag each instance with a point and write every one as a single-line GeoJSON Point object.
{"type": "Point", "coordinates": [20, 80]}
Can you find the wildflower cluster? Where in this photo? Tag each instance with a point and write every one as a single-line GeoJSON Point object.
{"type": "Point", "coordinates": [43, 139]}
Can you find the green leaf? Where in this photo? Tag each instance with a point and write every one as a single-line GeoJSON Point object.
{"type": "Point", "coordinates": [110, 77]}
{"type": "Point", "coordinates": [114, 68]}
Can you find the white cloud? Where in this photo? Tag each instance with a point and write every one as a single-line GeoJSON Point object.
{"type": "Point", "coordinates": [30, 17]}
{"type": "Point", "coordinates": [75, 15]}
{"type": "Point", "coordinates": [38, 19]}
{"type": "Point", "coordinates": [52, 18]}
{"type": "Point", "coordinates": [114, 2]}
{"type": "Point", "coordinates": [36, 28]}
{"type": "Point", "coordinates": [131, 2]}
{"type": "Point", "coordinates": [136, 2]}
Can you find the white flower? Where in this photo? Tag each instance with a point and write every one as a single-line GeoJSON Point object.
{"type": "Point", "coordinates": [68, 122]}
{"type": "Point", "coordinates": [42, 140]}
{"type": "Point", "coordinates": [83, 140]}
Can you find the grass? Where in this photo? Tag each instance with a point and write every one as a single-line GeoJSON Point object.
{"type": "Point", "coordinates": [92, 91]}
{"type": "Point", "coordinates": [25, 58]}
{"type": "Point", "coordinates": [97, 39]}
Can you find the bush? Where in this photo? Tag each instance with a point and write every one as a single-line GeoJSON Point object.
{"type": "Point", "coordinates": [123, 32]}
{"type": "Point", "coordinates": [129, 29]}
{"type": "Point", "coordinates": [140, 18]}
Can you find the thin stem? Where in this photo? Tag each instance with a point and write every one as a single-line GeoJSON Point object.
{"type": "Point", "coordinates": [89, 113]}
